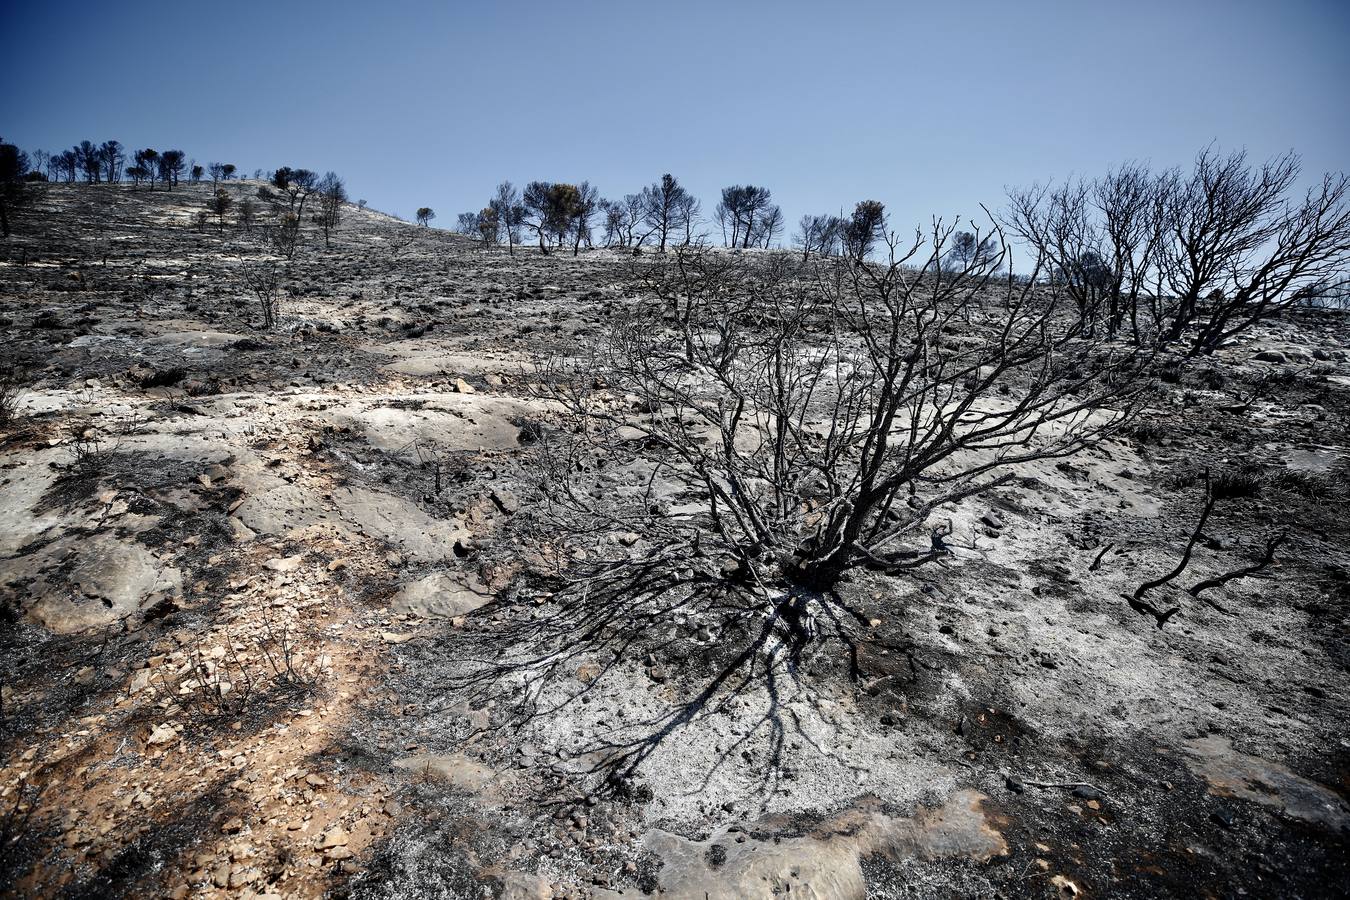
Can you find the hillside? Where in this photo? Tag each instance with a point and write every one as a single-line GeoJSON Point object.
{"type": "Point", "coordinates": [288, 612]}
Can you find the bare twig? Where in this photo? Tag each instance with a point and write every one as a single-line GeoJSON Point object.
{"type": "Point", "coordinates": [1097, 563]}
{"type": "Point", "coordinates": [1266, 559]}
{"type": "Point", "coordinates": [1137, 601]}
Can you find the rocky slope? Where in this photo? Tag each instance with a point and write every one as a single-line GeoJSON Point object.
{"type": "Point", "coordinates": [250, 578]}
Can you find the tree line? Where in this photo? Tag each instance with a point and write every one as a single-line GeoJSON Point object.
{"type": "Point", "coordinates": [665, 214]}
{"type": "Point", "coordinates": [1166, 258]}
{"type": "Point", "coordinates": [107, 162]}
{"type": "Point", "coordinates": [558, 215]}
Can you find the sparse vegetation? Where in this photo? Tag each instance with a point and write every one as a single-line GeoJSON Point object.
{"type": "Point", "coordinates": [656, 538]}
{"type": "Point", "coordinates": [1190, 259]}
{"type": "Point", "coordinates": [12, 385]}
{"type": "Point", "coordinates": [262, 278]}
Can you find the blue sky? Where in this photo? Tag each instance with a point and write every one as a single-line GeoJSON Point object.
{"type": "Point", "coordinates": [931, 108]}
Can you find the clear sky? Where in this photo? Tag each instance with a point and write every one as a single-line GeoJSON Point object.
{"type": "Point", "coordinates": [931, 107]}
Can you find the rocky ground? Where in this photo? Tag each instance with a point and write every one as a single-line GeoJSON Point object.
{"type": "Point", "coordinates": [250, 580]}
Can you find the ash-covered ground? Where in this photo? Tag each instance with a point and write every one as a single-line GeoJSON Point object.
{"type": "Point", "coordinates": [274, 603]}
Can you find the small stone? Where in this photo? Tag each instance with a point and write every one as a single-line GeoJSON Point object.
{"type": "Point", "coordinates": [333, 837]}
{"type": "Point", "coordinates": [285, 564]}
{"type": "Point", "coordinates": [505, 500]}
{"type": "Point", "coordinates": [1088, 792]}
{"type": "Point", "coordinates": [233, 826]}
{"type": "Point", "coordinates": [240, 876]}
{"type": "Point", "coordinates": [1015, 784]}
{"type": "Point", "coordinates": [242, 533]}
{"type": "Point", "coordinates": [163, 734]}
{"type": "Point", "coordinates": [463, 387]}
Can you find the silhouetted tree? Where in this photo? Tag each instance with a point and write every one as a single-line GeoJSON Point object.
{"type": "Point", "coordinates": [1205, 254]}
{"type": "Point", "coordinates": [196, 173]}
{"type": "Point", "coordinates": [741, 214]}
{"type": "Point", "coordinates": [864, 228]}
{"type": "Point", "coordinates": [612, 211]}
{"type": "Point", "coordinates": [466, 223]}
{"type": "Point", "coordinates": [332, 194]}
{"type": "Point", "coordinates": [663, 204]}
{"type": "Point", "coordinates": [583, 208]}
{"type": "Point", "coordinates": [297, 185]}
{"type": "Point", "coordinates": [41, 162]}
{"type": "Point", "coordinates": [510, 213]}
{"type": "Point", "coordinates": [488, 225]}
{"type": "Point", "coordinates": [148, 160]}
{"type": "Point", "coordinates": [171, 164]}
{"type": "Point", "coordinates": [13, 168]}
{"type": "Point", "coordinates": [227, 171]}
{"type": "Point", "coordinates": [968, 248]}
{"type": "Point", "coordinates": [535, 201]}
{"type": "Point", "coordinates": [1131, 203]}
{"type": "Point", "coordinates": [217, 171]}
{"type": "Point", "coordinates": [550, 211]}
{"type": "Point", "coordinates": [1240, 249]}
{"type": "Point", "coordinates": [770, 227]}
{"type": "Point", "coordinates": [686, 215]}
{"type": "Point", "coordinates": [819, 234]}
{"type": "Point", "coordinates": [111, 156]}
{"type": "Point", "coordinates": [67, 164]}
{"type": "Point", "coordinates": [424, 216]}
{"type": "Point", "coordinates": [622, 218]}
{"type": "Point", "coordinates": [1059, 226]}
{"type": "Point", "coordinates": [90, 162]}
